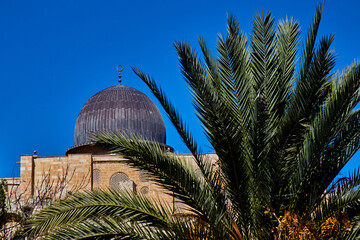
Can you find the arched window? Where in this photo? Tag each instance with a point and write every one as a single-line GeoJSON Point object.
{"type": "Point", "coordinates": [144, 176]}
{"type": "Point", "coordinates": [96, 176]}
{"type": "Point", "coordinates": [122, 182]}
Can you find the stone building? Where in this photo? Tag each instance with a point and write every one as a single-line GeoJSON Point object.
{"type": "Point", "coordinates": [86, 167]}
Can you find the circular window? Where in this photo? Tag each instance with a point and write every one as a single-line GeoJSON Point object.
{"type": "Point", "coordinates": [144, 190]}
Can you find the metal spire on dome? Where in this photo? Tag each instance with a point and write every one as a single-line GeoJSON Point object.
{"type": "Point", "coordinates": [119, 68]}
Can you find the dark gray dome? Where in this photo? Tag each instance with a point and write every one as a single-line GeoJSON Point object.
{"type": "Point", "coordinates": [120, 108]}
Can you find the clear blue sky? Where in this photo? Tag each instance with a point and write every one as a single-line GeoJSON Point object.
{"type": "Point", "coordinates": [56, 54]}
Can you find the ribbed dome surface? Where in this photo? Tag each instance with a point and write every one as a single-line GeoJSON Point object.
{"type": "Point", "coordinates": [120, 108]}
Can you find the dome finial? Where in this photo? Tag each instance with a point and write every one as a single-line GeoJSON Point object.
{"type": "Point", "coordinates": [119, 68]}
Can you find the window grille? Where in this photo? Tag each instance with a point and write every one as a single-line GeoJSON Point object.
{"type": "Point", "coordinates": [122, 182]}
{"type": "Point", "coordinates": [144, 190]}
{"type": "Point", "coordinates": [96, 176]}
{"type": "Point", "coordinates": [144, 176]}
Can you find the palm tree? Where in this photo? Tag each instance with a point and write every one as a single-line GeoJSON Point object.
{"type": "Point", "coordinates": [281, 134]}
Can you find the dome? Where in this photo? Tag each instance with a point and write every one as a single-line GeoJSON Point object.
{"type": "Point", "coordinates": [120, 109]}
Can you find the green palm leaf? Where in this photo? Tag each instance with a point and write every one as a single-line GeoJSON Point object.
{"type": "Point", "coordinates": [95, 204]}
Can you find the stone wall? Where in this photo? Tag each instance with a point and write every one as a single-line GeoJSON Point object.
{"type": "Point", "coordinates": [109, 165]}
{"type": "Point", "coordinates": [54, 176]}
{"type": "Point", "coordinates": [81, 172]}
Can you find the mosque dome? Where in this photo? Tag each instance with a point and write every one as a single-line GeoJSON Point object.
{"type": "Point", "coordinates": [118, 109]}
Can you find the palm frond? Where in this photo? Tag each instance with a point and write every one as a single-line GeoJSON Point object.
{"type": "Point", "coordinates": [341, 195]}
{"type": "Point", "coordinates": [354, 234]}
{"type": "Point", "coordinates": [105, 228]}
{"type": "Point", "coordinates": [287, 38]}
{"type": "Point", "coordinates": [171, 172]}
{"type": "Point", "coordinates": [181, 127]}
{"type": "Point", "coordinates": [263, 71]}
{"type": "Point", "coordinates": [92, 205]}
{"type": "Point", "coordinates": [296, 122]}
{"type": "Point", "coordinates": [325, 127]}
{"type": "Point", "coordinates": [217, 122]}
{"type": "Point", "coordinates": [316, 94]}
{"type": "Point", "coordinates": [307, 56]}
